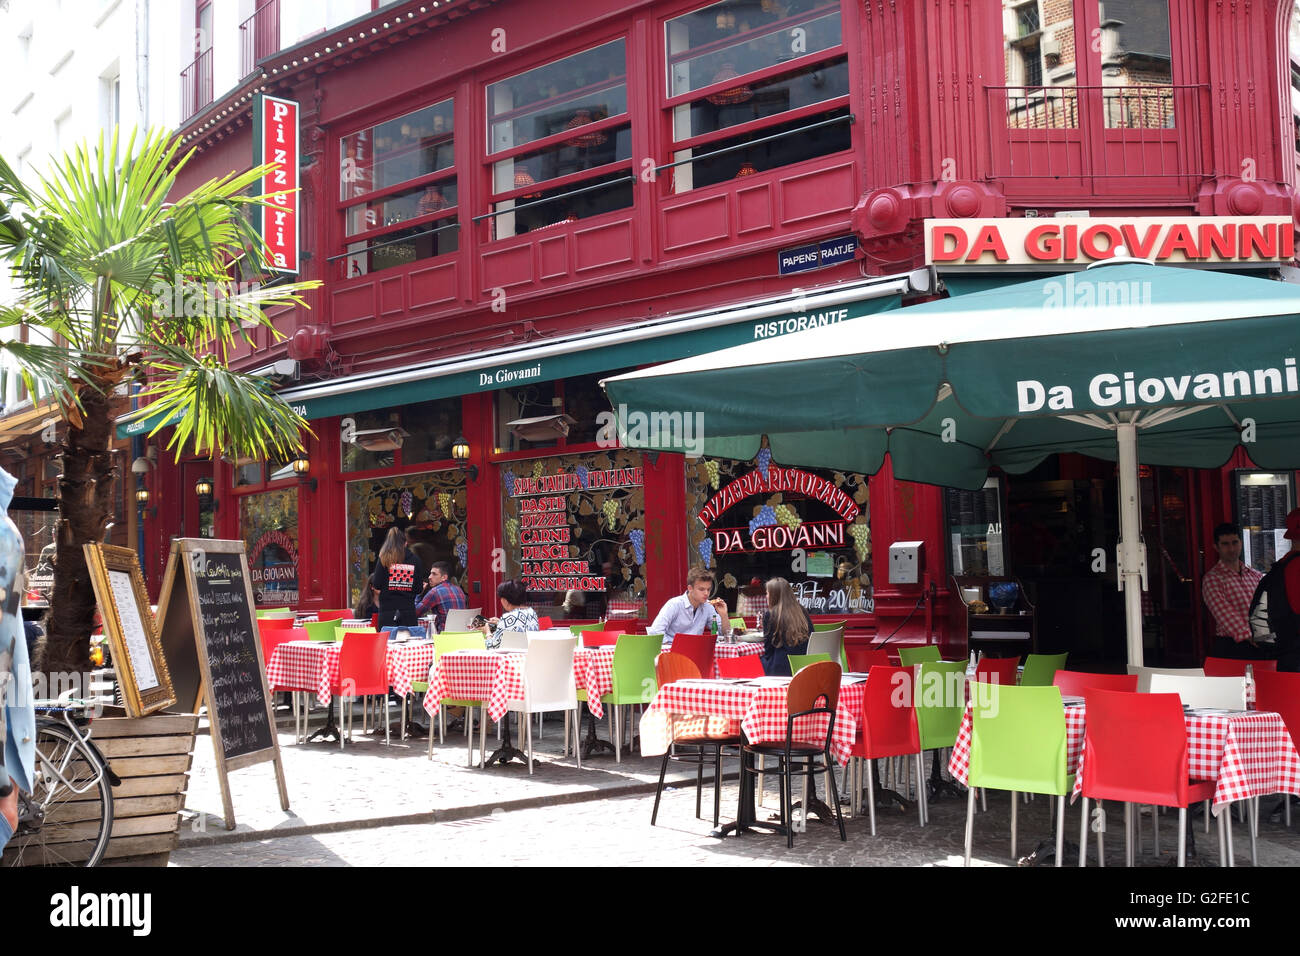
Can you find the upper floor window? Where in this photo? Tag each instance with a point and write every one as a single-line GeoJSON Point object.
{"type": "Point", "coordinates": [754, 86]}
{"type": "Point", "coordinates": [397, 191]}
{"type": "Point", "coordinates": [1067, 61]}
{"type": "Point", "coordinates": [560, 142]}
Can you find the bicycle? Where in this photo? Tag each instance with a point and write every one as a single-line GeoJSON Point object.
{"type": "Point", "coordinates": [68, 817]}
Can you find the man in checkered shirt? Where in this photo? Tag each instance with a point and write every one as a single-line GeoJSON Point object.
{"type": "Point", "coordinates": [1228, 588]}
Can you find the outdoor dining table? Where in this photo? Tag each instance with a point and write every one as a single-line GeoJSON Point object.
{"type": "Point", "coordinates": [593, 668]}
{"type": "Point", "coordinates": [1247, 754]}
{"type": "Point", "coordinates": [313, 666]}
{"type": "Point", "coordinates": [757, 708]}
{"type": "Point", "coordinates": [495, 677]}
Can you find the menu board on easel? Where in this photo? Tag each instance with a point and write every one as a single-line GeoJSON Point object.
{"type": "Point", "coordinates": [206, 619]}
{"type": "Point", "coordinates": [138, 657]}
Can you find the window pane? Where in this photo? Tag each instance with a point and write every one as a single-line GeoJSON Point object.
{"type": "Point", "coordinates": [584, 401]}
{"type": "Point", "coordinates": [585, 151]}
{"type": "Point", "coordinates": [813, 85]}
{"type": "Point", "coordinates": [578, 89]}
{"type": "Point", "coordinates": [1135, 64]}
{"type": "Point", "coordinates": [433, 427]}
{"type": "Point", "coordinates": [795, 148]}
{"type": "Point", "coordinates": [754, 538]}
{"type": "Point", "coordinates": [404, 148]}
{"type": "Point", "coordinates": [429, 507]}
{"type": "Point", "coordinates": [554, 207]}
{"type": "Point", "coordinates": [400, 207]}
{"type": "Point", "coordinates": [250, 474]}
{"type": "Point", "coordinates": [575, 533]}
{"type": "Point", "coordinates": [528, 401]}
{"type": "Point", "coordinates": [738, 37]}
{"type": "Point", "coordinates": [356, 457]}
{"type": "Point", "coordinates": [1039, 53]}
{"type": "Point", "coordinates": [401, 247]}
{"type": "Point", "coordinates": [268, 525]}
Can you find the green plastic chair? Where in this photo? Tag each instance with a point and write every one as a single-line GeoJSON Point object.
{"type": "Point", "coordinates": [830, 626]}
{"type": "Point", "coordinates": [444, 643]}
{"type": "Point", "coordinates": [340, 630]}
{"type": "Point", "coordinates": [910, 656]}
{"type": "Point", "coordinates": [940, 704]}
{"type": "Point", "coordinates": [799, 661]}
{"type": "Point", "coordinates": [1018, 743]}
{"type": "Point", "coordinates": [274, 612]}
{"type": "Point", "coordinates": [577, 629]}
{"type": "Point", "coordinates": [320, 631]}
{"type": "Point", "coordinates": [634, 678]}
{"type": "Point", "coordinates": [737, 622]}
{"type": "Point", "coordinates": [1040, 669]}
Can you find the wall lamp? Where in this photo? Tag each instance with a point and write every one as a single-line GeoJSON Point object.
{"type": "Point", "coordinates": [203, 488]}
{"type": "Point", "coordinates": [301, 467]}
{"type": "Point", "coordinates": [460, 454]}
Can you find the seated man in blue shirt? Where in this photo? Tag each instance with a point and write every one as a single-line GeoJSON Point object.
{"type": "Point", "coordinates": [690, 613]}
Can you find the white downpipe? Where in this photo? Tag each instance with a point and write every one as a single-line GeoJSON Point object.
{"type": "Point", "coordinates": [1130, 534]}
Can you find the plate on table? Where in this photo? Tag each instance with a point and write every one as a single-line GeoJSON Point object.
{"type": "Point", "coordinates": [1070, 700]}
{"type": "Point", "coordinates": [1207, 711]}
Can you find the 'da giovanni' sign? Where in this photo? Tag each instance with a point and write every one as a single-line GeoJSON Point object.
{"type": "Point", "coordinates": [1077, 241]}
{"type": "Point", "coordinates": [779, 529]}
{"type": "Point", "coordinates": [275, 124]}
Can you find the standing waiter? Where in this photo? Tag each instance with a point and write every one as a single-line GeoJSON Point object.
{"type": "Point", "coordinates": [1281, 587]}
{"type": "Point", "coordinates": [1228, 588]}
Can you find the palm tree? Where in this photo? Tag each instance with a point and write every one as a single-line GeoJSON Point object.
{"type": "Point", "coordinates": [99, 256]}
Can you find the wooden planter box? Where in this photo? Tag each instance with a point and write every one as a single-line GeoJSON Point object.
{"type": "Point", "coordinates": [152, 757]}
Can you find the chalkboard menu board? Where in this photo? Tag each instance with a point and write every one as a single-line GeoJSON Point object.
{"type": "Point", "coordinates": [209, 579]}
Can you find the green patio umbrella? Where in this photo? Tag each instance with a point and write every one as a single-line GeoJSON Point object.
{"type": "Point", "coordinates": [1196, 362]}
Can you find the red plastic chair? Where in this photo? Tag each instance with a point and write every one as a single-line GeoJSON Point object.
{"type": "Point", "coordinates": [271, 638]}
{"type": "Point", "coordinates": [862, 659]}
{"type": "Point", "coordinates": [599, 638]}
{"type": "Point", "coordinates": [544, 624]}
{"type": "Point", "coordinates": [333, 615]}
{"type": "Point", "coordinates": [362, 673]}
{"type": "Point", "coordinates": [374, 621]}
{"type": "Point", "coordinates": [616, 628]}
{"type": "Point", "coordinates": [1230, 667]}
{"type": "Point", "coordinates": [700, 648]}
{"type": "Point", "coordinates": [997, 670]}
{"type": "Point", "coordinates": [1135, 751]}
{"type": "Point", "coordinates": [274, 623]}
{"type": "Point", "coordinates": [751, 665]}
{"type": "Point", "coordinates": [888, 729]}
{"type": "Point", "coordinates": [1280, 693]}
{"type": "Point", "coordinates": [1074, 683]}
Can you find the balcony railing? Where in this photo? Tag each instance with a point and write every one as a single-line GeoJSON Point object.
{"type": "Point", "coordinates": [259, 36]}
{"type": "Point", "coordinates": [196, 85]}
{"type": "Point", "coordinates": [1149, 132]}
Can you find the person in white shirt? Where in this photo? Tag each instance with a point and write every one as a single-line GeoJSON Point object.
{"type": "Point", "coordinates": [692, 612]}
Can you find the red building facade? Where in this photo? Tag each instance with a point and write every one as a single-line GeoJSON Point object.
{"type": "Point", "coordinates": [506, 201]}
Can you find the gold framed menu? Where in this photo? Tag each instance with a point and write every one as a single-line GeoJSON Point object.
{"type": "Point", "coordinates": [129, 625]}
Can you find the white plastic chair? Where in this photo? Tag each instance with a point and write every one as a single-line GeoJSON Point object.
{"type": "Point", "coordinates": [1144, 674]}
{"type": "Point", "coordinates": [1221, 692]}
{"type": "Point", "coordinates": [549, 686]}
{"type": "Point", "coordinates": [461, 619]}
{"type": "Point", "coordinates": [827, 642]}
{"type": "Point", "coordinates": [514, 641]}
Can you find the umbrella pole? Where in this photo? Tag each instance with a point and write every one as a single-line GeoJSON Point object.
{"type": "Point", "coordinates": [1130, 537]}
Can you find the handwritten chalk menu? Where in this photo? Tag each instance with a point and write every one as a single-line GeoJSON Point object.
{"type": "Point", "coordinates": [128, 623]}
{"type": "Point", "coordinates": [207, 594]}
{"type": "Point", "coordinates": [235, 688]}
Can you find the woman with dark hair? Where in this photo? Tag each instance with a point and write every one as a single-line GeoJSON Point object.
{"type": "Point", "coordinates": [397, 578]}
{"type": "Point", "coordinates": [786, 627]}
{"type": "Point", "coordinates": [515, 616]}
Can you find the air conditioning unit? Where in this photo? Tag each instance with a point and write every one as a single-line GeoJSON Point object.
{"type": "Point", "coordinates": [543, 428]}
{"type": "Point", "coordinates": [381, 439]}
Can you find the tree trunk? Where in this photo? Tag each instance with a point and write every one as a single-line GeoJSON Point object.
{"type": "Point", "coordinates": [85, 508]}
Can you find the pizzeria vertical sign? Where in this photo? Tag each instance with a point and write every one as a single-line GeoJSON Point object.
{"type": "Point", "coordinates": [276, 143]}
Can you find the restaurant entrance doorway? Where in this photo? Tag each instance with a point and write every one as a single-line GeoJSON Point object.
{"type": "Point", "coordinates": [1063, 524]}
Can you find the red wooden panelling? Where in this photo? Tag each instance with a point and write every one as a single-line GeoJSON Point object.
{"type": "Point", "coordinates": [694, 221]}
{"type": "Point", "coordinates": [609, 244]}
{"type": "Point", "coordinates": [434, 285]}
{"type": "Point", "coordinates": [816, 193]}
{"type": "Point", "coordinates": [754, 209]}
{"type": "Point", "coordinates": [505, 268]}
{"type": "Point", "coordinates": [390, 295]}
{"type": "Point", "coordinates": [353, 303]}
{"type": "Point", "coordinates": [553, 256]}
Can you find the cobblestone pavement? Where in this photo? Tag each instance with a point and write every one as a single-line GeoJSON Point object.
{"type": "Point", "coordinates": [615, 830]}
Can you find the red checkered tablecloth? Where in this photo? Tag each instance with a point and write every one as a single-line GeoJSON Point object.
{"type": "Point", "coordinates": [593, 668]}
{"type": "Point", "coordinates": [744, 649]}
{"type": "Point", "coordinates": [314, 666]}
{"type": "Point", "coordinates": [492, 676]}
{"type": "Point", "coordinates": [761, 710]}
{"type": "Point", "coordinates": [1246, 754]}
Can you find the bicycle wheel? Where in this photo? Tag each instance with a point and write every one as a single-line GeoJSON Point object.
{"type": "Point", "coordinates": [67, 824]}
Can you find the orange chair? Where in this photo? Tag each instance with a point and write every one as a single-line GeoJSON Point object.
{"type": "Point", "coordinates": [862, 659]}
{"type": "Point", "coordinates": [997, 670]}
{"type": "Point", "coordinates": [599, 638]}
{"type": "Point", "coordinates": [700, 648]}
{"type": "Point", "coordinates": [751, 665]}
{"type": "Point", "coordinates": [1074, 683]}
{"type": "Point", "coordinates": [1230, 667]}
{"type": "Point", "coordinates": [362, 673]}
{"type": "Point", "coordinates": [1135, 751]}
{"type": "Point", "coordinates": [672, 666]}
{"type": "Point", "coordinates": [888, 729]}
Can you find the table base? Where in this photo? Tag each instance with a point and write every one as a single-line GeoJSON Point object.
{"type": "Point", "coordinates": [330, 729]}
{"type": "Point", "coordinates": [593, 746]}
{"type": "Point", "coordinates": [507, 751]}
